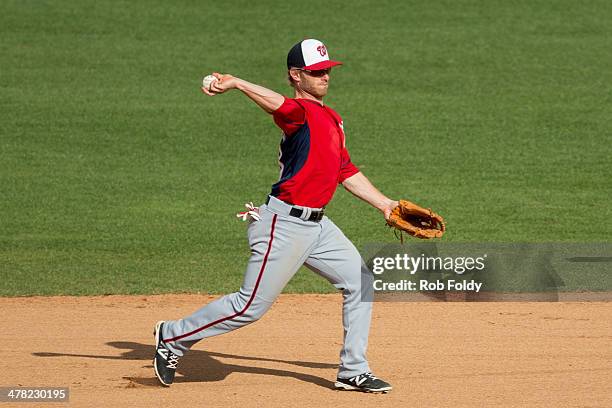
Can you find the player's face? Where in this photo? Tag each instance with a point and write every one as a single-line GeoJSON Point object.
{"type": "Point", "coordinates": [315, 82]}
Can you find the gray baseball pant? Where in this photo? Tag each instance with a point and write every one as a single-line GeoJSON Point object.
{"type": "Point", "coordinates": [280, 244]}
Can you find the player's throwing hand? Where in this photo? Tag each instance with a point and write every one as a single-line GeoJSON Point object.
{"type": "Point", "coordinates": [222, 83]}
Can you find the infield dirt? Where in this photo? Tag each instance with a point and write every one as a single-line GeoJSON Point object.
{"type": "Point", "coordinates": [435, 354]}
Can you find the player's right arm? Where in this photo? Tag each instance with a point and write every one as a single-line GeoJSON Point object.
{"type": "Point", "coordinates": [267, 99]}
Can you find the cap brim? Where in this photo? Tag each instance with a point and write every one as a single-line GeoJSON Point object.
{"type": "Point", "coordinates": [322, 65]}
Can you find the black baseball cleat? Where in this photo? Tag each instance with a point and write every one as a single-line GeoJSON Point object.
{"type": "Point", "coordinates": [164, 361]}
{"type": "Point", "coordinates": [365, 382]}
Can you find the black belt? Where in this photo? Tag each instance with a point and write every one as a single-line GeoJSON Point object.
{"type": "Point", "coordinates": [315, 215]}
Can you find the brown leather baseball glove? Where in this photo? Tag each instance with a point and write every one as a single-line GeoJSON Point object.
{"type": "Point", "coordinates": [416, 221]}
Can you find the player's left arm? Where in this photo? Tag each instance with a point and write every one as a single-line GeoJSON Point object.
{"type": "Point", "coordinates": [360, 186]}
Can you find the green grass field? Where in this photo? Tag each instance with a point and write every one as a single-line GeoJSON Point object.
{"type": "Point", "coordinates": [118, 176]}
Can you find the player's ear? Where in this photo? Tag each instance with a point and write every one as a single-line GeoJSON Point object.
{"type": "Point", "coordinates": [294, 75]}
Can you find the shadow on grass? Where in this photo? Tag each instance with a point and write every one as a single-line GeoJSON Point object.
{"type": "Point", "coordinates": [202, 366]}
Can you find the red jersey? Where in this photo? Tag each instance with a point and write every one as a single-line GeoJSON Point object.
{"type": "Point", "coordinates": [313, 156]}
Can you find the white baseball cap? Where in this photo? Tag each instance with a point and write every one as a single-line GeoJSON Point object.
{"type": "Point", "coordinates": [310, 54]}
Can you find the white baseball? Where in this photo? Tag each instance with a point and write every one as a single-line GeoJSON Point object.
{"type": "Point", "coordinates": [207, 81]}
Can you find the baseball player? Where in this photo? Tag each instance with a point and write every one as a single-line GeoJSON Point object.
{"type": "Point", "coordinates": [290, 229]}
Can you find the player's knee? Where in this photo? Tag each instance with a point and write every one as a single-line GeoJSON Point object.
{"type": "Point", "coordinates": [256, 310]}
{"type": "Point", "coordinates": [239, 301]}
{"type": "Point", "coordinates": [359, 282]}
{"type": "Point", "coordinates": [249, 310]}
